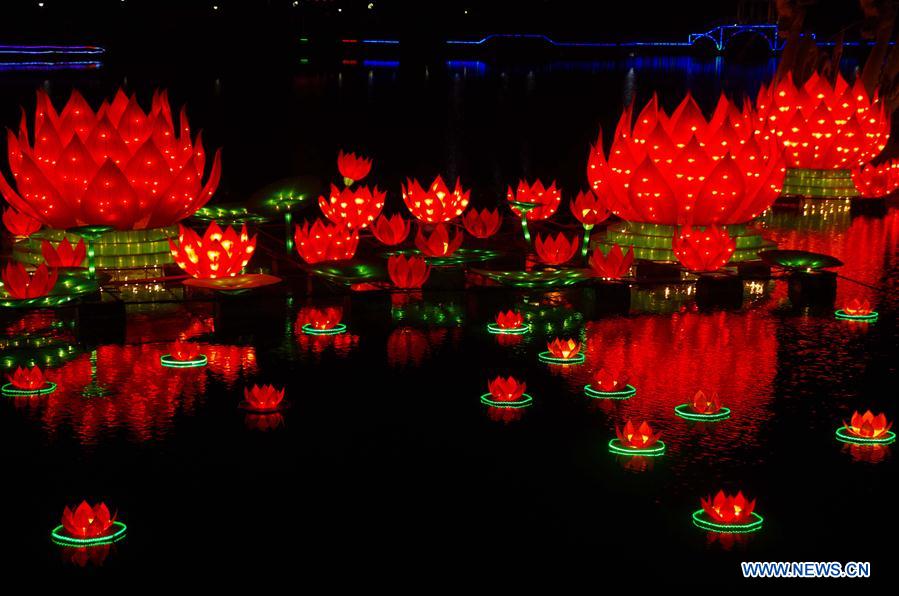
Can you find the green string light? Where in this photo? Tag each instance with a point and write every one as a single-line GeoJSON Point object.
{"type": "Point", "coordinates": [628, 392]}
{"type": "Point", "coordinates": [686, 412]}
{"type": "Point", "coordinates": [308, 329]}
{"type": "Point", "coordinates": [701, 520]}
{"type": "Point", "coordinates": [9, 390]}
{"type": "Point", "coordinates": [845, 436]}
{"type": "Point", "coordinates": [497, 330]}
{"type": "Point", "coordinates": [169, 362]}
{"type": "Point", "coordinates": [868, 318]}
{"type": "Point", "coordinates": [616, 447]}
{"type": "Point", "coordinates": [523, 402]}
{"type": "Point", "coordinates": [548, 358]}
{"type": "Point", "coordinates": [58, 536]}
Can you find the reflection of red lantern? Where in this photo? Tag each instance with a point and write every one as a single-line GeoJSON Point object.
{"type": "Point", "coordinates": [391, 230]}
{"type": "Point", "coordinates": [217, 254]}
{"type": "Point", "coordinates": [264, 422]}
{"type": "Point", "coordinates": [436, 204]}
{"type": "Point", "coordinates": [438, 243]}
{"type": "Point", "coordinates": [321, 242]}
{"type": "Point", "coordinates": [706, 250]}
{"type": "Point", "coordinates": [64, 255]}
{"type": "Point", "coordinates": [483, 223]}
{"type": "Point", "coordinates": [555, 251]}
{"type": "Point", "coordinates": [408, 272]}
{"type": "Point", "coordinates": [544, 200]}
{"type": "Point", "coordinates": [20, 285]}
{"type": "Point", "coordinates": [353, 207]}
{"type": "Point", "coordinates": [613, 265]}
{"type": "Point", "coordinates": [120, 166]}
{"type": "Point", "coordinates": [683, 169]}
{"type": "Point", "coordinates": [19, 224]}
{"type": "Point", "coordinates": [822, 124]}
{"type": "Point", "coordinates": [352, 167]}
{"type": "Point", "coordinates": [407, 346]}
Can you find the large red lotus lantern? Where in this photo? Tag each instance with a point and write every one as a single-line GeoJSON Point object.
{"type": "Point", "coordinates": [824, 125]}
{"type": "Point", "coordinates": [353, 207]}
{"type": "Point", "coordinates": [118, 166]}
{"type": "Point", "coordinates": [217, 254]}
{"type": "Point", "coordinates": [437, 204]}
{"type": "Point", "coordinates": [706, 250]}
{"type": "Point", "coordinates": [683, 168]}
{"type": "Point", "coordinates": [322, 242]}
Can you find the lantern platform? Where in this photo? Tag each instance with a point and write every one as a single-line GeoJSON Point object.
{"type": "Point", "coordinates": [819, 184]}
{"type": "Point", "coordinates": [652, 242]}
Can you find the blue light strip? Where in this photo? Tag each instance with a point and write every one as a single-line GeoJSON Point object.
{"type": "Point", "coordinates": [34, 50]}
{"type": "Point", "coordinates": [44, 65]}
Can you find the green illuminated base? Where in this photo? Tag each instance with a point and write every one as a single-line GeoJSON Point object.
{"type": "Point", "coordinates": [550, 359]}
{"type": "Point", "coordinates": [700, 520]}
{"type": "Point", "coordinates": [125, 255]}
{"type": "Point", "coordinates": [819, 184]}
{"type": "Point", "coordinates": [336, 330]}
{"type": "Point", "coordinates": [869, 318]}
{"type": "Point", "coordinates": [460, 257]}
{"type": "Point", "coordinates": [628, 392]}
{"type": "Point", "coordinates": [167, 361]}
{"type": "Point", "coordinates": [525, 401]}
{"type": "Point", "coordinates": [58, 536]}
{"type": "Point", "coordinates": [685, 412]}
{"type": "Point", "coordinates": [617, 448]}
{"type": "Point", "coordinates": [9, 390]}
{"type": "Point", "coordinates": [69, 286]}
{"type": "Point", "coordinates": [652, 242]}
{"type": "Point", "coordinates": [844, 436]}
{"type": "Point", "coordinates": [497, 330]}
{"type": "Point", "coordinates": [542, 278]}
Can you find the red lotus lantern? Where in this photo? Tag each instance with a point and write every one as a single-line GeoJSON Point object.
{"type": "Point", "coordinates": [588, 209]}
{"type": "Point", "coordinates": [322, 242]}
{"type": "Point", "coordinates": [509, 320]}
{"type": "Point", "coordinates": [637, 440]}
{"type": "Point", "coordinates": [86, 521]}
{"type": "Point", "coordinates": [438, 243]}
{"type": "Point", "coordinates": [684, 169]}
{"type": "Point", "coordinates": [408, 272]}
{"type": "Point", "coordinates": [727, 509]}
{"type": "Point", "coordinates": [555, 251]}
{"type": "Point", "coordinates": [481, 224]}
{"type": "Point", "coordinates": [506, 393]}
{"type": "Point", "coordinates": [874, 182]}
{"type": "Point", "coordinates": [19, 224]}
{"type": "Point", "coordinates": [703, 408]}
{"type": "Point", "coordinates": [613, 265]}
{"type": "Point", "coordinates": [706, 250]}
{"type": "Point", "coordinates": [610, 385]}
{"type": "Point", "coordinates": [20, 285]}
{"type": "Point", "coordinates": [824, 125]}
{"type": "Point", "coordinates": [184, 354]}
{"type": "Point", "coordinates": [857, 310]}
{"type": "Point", "coordinates": [352, 167]}
{"type": "Point", "coordinates": [391, 230]}
{"type": "Point", "coordinates": [321, 321]}
{"type": "Point", "coordinates": [27, 379]}
{"type": "Point", "coordinates": [119, 167]}
{"type": "Point", "coordinates": [867, 428]}
{"type": "Point", "coordinates": [263, 398]}
{"type": "Point", "coordinates": [562, 351]}
{"type": "Point", "coordinates": [353, 207]}
{"type": "Point", "coordinates": [535, 202]}
{"type": "Point", "coordinates": [436, 204]}
{"type": "Point", "coordinates": [217, 254]}
{"type": "Point", "coordinates": [64, 255]}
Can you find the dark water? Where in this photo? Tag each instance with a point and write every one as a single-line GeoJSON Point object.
{"type": "Point", "coordinates": [386, 460]}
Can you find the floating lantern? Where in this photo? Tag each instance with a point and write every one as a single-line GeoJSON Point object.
{"type": "Point", "coordinates": [352, 167]}
{"type": "Point", "coordinates": [183, 355]}
{"type": "Point", "coordinates": [728, 514]}
{"type": "Point", "coordinates": [825, 128]}
{"type": "Point", "coordinates": [407, 272]}
{"type": "Point", "coordinates": [637, 440]}
{"type": "Point", "coordinates": [26, 382]}
{"type": "Point", "coordinates": [555, 251]}
{"type": "Point", "coordinates": [21, 285]}
{"type": "Point", "coordinates": [322, 242]}
{"type": "Point", "coordinates": [867, 429]}
{"type": "Point", "coordinates": [613, 265]}
{"type": "Point", "coordinates": [119, 167]}
{"type": "Point", "coordinates": [436, 204]}
{"type": "Point", "coordinates": [874, 182]}
{"type": "Point", "coordinates": [20, 224]}
{"type": "Point", "coordinates": [64, 255]}
{"type": "Point", "coordinates": [607, 385]}
{"type": "Point", "coordinates": [508, 323]}
{"type": "Point", "coordinates": [263, 399]}
{"type": "Point", "coordinates": [588, 209]}
{"type": "Point", "coordinates": [703, 409]}
{"type": "Point", "coordinates": [438, 243]}
{"type": "Point", "coordinates": [391, 230]}
{"type": "Point", "coordinates": [506, 393]}
{"type": "Point", "coordinates": [702, 251]}
{"type": "Point", "coordinates": [353, 207]}
{"type": "Point", "coordinates": [483, 223]}
{"type": "Point", "coordinates": [217, 254]}
{"type": "Point", "coordinates": [562, 351]}
{"type": "Point", "coordinates": [323, 321]}
{"type": "Point", "coordinates": [88, 526]}
{"type": "Point", "coordinates": [856, 310]}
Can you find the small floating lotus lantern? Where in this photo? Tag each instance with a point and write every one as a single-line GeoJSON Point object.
{"type": "Point", "coordinates": [612, 266]}
{"type": "Point", "coordinates": [506, 393]}
{"type": "Point", "coordinates": [555, 250]}
{"type": "Point", "coordinates": [323, 321]}
{"type": "Point", "coordinates": [728, 514]}
{"type": "Point", "coordinates": [408, 272]}
{"type": "Point", "coordinates": [857, 310]}
{"type": "Point", "coordinates": [533, 202]}
{"type": "Point", "coordinates": [508, 323]}
{"type": "Point", "coordinates": [703, 408]}
{"type": "Point", "coordinates": [25, 382]}
{"type": "Point", "coordinates": [637, 439]}
{"type": "Point", "coordinates": [609, 385]}
{"type": "Point", "coordinates": [263, 399]}
{"type": "Point", "coordinates": [481, 224]}
{"type": "Point", "coordinates": [391, 230]}
{"type": "Point", "coordinates": [588, 209]}
{"type": "Point", "coordinates": [562, 351]}
{"type": "Point", "coordinates": [184, 354]}
{"type": "Point", "coordinates": [87, 526]}
{"type": "Point", "coordinates": [867, 429]}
